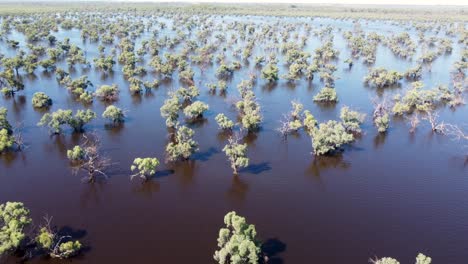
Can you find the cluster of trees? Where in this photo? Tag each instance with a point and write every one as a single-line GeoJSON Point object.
{"type": "Point", "coordinates": [15, 219]}
{"type": "Point", "coordinates": [420, 259]}
{"type": "Point", "coordinates": [9, 138]}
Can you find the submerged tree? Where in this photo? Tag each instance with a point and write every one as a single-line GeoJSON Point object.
{"type": "Point", "coordinates": [329, 137]}
{"type": "Point", "coordinates": [195, 110]}
{"type": "Point", "coordinates": [237, 242]}
{"type": "Point", "coordinates": [14, 217]}
{"type": "Point", "coordinates": [352, 120]}
{"type": "Point", "coordinates": [381, 77]}
{"type": "Point", "coordinates": [224, 122]}
{"type": "Point", "coordinates": [420, 259]}
{"type": "Point", "coordinates": [145, 167]}
{"type": "Point", "coordinates": [88, 158]}
{"type": "Point", "coordinates": [183, 145]}
{"type": "Point", "coordinates": [114, 114]}
{"type": "Point", "coordinates": [41, 100]}
{"type": "Point", "coordinates": [8, 137]}
{"type": "Point", "coordinates": [57, 246]}
{"type": "Point", "coordinates": [270, 72]}
{"type": "Point", "coordinates": [170, 110]}
{"type": "Point", "coordinates": [327, 94]}
{"type": "Point", "coordinates": [292, 120]}
{"type": "Point", "coordinates": [108, 92]}
{"type": "Point", "coordinates": [381, 117]}
{"type": "Point", "coordinates": [236, 153]}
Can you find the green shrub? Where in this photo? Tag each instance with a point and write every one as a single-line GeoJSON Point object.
{"type": "Point", "coordinates": [329, 137]}
{"type": "Point", "coordinates": [183, 145]}
{"type": "Point", "coordinates": [108, 92]}
{"type": "Point", "coordinates": [327, 94]}
{"type": "Point", "coordinates": [237, 154]}
{"type": "Point", "coordinates": [145, 167]}
{"type": "Point", "coordinates": [114, 114]}
{"type": "Point", "coordinates": [195, 110]}
{"type": "Point", "coordinates": [237, 241]}
{"type": "Point", "coordinates": [224, 122]}
{"type": "Point", "coordinates": [270, 72]}
{"type": "Point", "coordinates": [352, 120]}
{"type": "Point", "coordinates": [41, 100]}
{"type": "Point", "coordinates": [14, 217]}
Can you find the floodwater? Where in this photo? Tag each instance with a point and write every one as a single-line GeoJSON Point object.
{"type": "Point", "coordinates": [393, 194]}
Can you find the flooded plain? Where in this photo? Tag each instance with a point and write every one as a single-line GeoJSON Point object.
{"type": "Point", "coordinates": [393, 194]}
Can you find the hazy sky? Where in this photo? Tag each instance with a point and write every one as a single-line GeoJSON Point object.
{"type": "Point", "coordinates": [391, 2]}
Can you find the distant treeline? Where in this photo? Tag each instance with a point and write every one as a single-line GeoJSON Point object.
{"type": "Point", "coordinates": [391, 12]}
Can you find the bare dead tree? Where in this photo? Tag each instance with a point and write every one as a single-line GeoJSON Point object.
{"type": "Point", "coordinates": [414, 122]}
{"type": "Point", "coordinates": [93, 162]}
{"type": "Point", "coordinates": [18, 136]}
{"type": "Point", "coordinates": [458, 134]}
{"type": "Point", "coordinates": [436, 126]}
{"type": "Point", "coordinates": [285, 127]}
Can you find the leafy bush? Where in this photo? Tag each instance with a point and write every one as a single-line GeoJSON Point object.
{"type": "Point", "coordinates": [381, 77]}
{"type": "Point", "coordinates": [41, 99]}
{"type": "Point", "coordinates": [183, 145]}
{"type": "Point", "coordinates": [250, 112]}
{"type": "Point", "coordinates": [14, 217]}
{"type": "Point", "coordinates": [60, 117]}
{"type": "Point", "coordinates": [113, 113]}
{"type": "Point", "coordinates": [108, 92]}
{"type": "Point", "coordinates": [170, 110]}
{"type": "Point", "coordinates": [76, 154]}
{"type": "Point", "coordinates": [224, 122]}
{"type": "Point", "coordinates": [237, 241]}
{"type": "Point", "coordinates": [270, 72]}
{"type": "Point", "coordinates": [329, 137]}
{"type": "Point", "coordinates": [352, 120]}
{"type": "Point", "coordinates": [188, 94]}
{"type": "Point", "coordinates": [310, 123]}
{"type": "Point", "coordinates": [6, 140]}
{"type": "Point", "coordinates": [195, 110]}
{"type": "Point", "coordinates": [327, 94]}
{"type": "Point", "coordinates": [146, 167]}
{"type": "Point", "coordinates": [80, 119]}
{"type": "Point", "coordinates": [237, 154]}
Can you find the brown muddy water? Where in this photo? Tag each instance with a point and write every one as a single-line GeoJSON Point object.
{"type": "Point", "coordinates": [393, 194]}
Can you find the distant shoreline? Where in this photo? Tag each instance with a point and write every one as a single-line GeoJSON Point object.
{"type": "Point", "coordinates": [340, 11]}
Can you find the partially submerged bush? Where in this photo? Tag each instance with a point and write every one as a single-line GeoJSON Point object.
{"type": "Point", "coordinates": [329, 137]}
{"type": "Point", "coordinates": [327, 94]}
{"type": "Point", "coordinates": [237, 242]}
{"type": "Point", "coordinates": [183, 145]}
{"type": "Point", "coordinates": [352, 120]}
{"type": "Point", "coordinates": [381, 118]}
{"type": "Point", "coordinates": [420, 259]}
{"type": "Point", "coordinates": [145, 167]}
{"type": "Point", "coordinates": [381, 77]}
{"type": "Point", "coordinates": [195, 110]}
{"type": "Point", "coordinates": [76, 154]}
{"type": "Point", "coordinates": [188, 94]}
{"type": "Point", "coordinates": [55, 245]}
{"type": "Point", "coordinates": [41, 100]}
{"type": "Point", "coordinates": [6, 140]}
{"type": "Point", "coordinates": [14, 217]}
{"type": "Point", "coordinates": [310, 123]}
{"type": "Point", "coordinates": [270, 72]}
{"type": "Point", "coordinates": [237, 154]}
{"type": "Point", "coordinates": [114, 114]}
{"type": "Point", "coordinates": [170, 110]}
{"type": "Point", "coordinates": [108, 92]}
{"type": "Point", "coordinates": [60, 117]}
{"type": "Point", "coordinates": [250, 112]}
{"type": "Point", "coordinates": [224, 122]}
